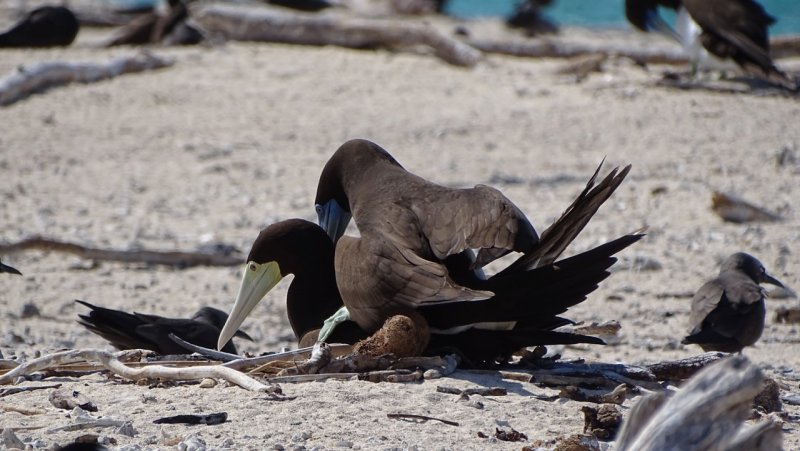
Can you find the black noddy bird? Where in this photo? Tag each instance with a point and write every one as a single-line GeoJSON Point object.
{"type": "Point", "coordinates": [409, 228]}
{"type": "Point", "coordinates": [8, 269]}
{"type": "Point", "coordinates": [728, 311]}
{"type": "Point", "coordinates": [735, 29]}
{"type": "Point", "coordinates": [531, 299]}
{"type": "Point", "coordinates": [47, 26]}
{"type": "Point", "coordinates": [139, 331]}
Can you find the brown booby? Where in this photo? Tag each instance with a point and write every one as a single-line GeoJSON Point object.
{"type": "Point", "coordinates": [532, 298]}
{"type": "Point", "coordinates": [47, 26]}
{"type": "Point", "coordinates": [735, 29]}
{"type": "Point", "coordinates": [409, 228]}
{"type": "Point", "coordinates": [139, 331]}
{"type": "Point", "coordinates": [728, 311]}
{"type": "Point", "coordinates": [9, 269]}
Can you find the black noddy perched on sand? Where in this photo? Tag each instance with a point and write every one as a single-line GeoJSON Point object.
{"type": "Point", "coordinates": [532, 298]}
{"type": "Point", "coordinates": [9, 269]}
{"type": "Point", "coordinates": [728, 311]}
{"type": "Point", "coordinates": [735, 29]}
{"type": "Point", "coordinates": [47, 26]}
{"type": "Point", "coordinates": [139, 331]}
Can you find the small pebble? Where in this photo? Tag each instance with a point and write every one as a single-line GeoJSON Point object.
{"type": "Point", "coordinates": [791, 399]}
{"type": "Point", "coordinates": [208, 383]}
{"type": "Point", "coordinates": [432, 374]}
{"type": "Point", "coordinates": [343, 444]}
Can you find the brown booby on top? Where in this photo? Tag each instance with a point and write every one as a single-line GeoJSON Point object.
{"type": "Point", "coordinates": [410, 227]}
{"type": "Point", "coordinates": [728, 311]}
{"type": "Point", "coordinates": [47, 26]}
{"type": "Point", "coordinates": [735, 29]}
{"type": "Point", "coordinates": [533, 298]}
{"type": "Point", "coordinates": [139, 331]}
{"type": "Point", "coordinates": [9, 269]}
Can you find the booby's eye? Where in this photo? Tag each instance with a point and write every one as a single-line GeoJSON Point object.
{"type": "Point", "coordinates": [252, 266]}
{"type": "Point", "coordinates": [318, 207]}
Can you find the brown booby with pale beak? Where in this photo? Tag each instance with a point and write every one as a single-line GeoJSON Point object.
{"type": "Point", "coordinates": [533, 299]}
{"type": "Point", "coordinates": [139, 331]}
{"type": "Point", "coordinates": [735, 29]}
{"type": "Point", "coordinates": [728, 311]}
{"type": "Point", "coordinates": [409, 228]}
{"type": "Point", "coordinates": [414, 251]}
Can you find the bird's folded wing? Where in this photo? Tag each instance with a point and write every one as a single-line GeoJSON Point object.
{"type": "Point", "coordinates": [477, 218]}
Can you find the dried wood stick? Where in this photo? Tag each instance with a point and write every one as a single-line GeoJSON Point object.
{"type": "Point", "coordinates": [412, 416]}
{"type": "Point", "coordinates": [546, 48]}
{"type": "Point", "coordinates": [38, 77]}
{"type": "Point", "coordinates": [288, 356]}
{"type": "Point", "coordinates": [111, 362]}
{"type": "Point", "coordinates": [168, 258]}
{"type": "Point", "coordinates": [678, 370]}
{"type": "Point", "coordinates": [483, 391]}
{"type": "Point", "coordinates": [272, 25]}
{"type": "Point", "coordinates": [320, 357]}
{"type": "Point", "coordinates": [706, 413]}
{"type": "Point", "coordinates": [15, 390]}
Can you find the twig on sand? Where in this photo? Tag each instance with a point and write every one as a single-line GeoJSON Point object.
{"type": "Point", "coordinates": [38, 77]}
{"type": "Point", "coordinates": [411, 416]}
{"type": "Point", "coordinates": [708, 410]}
{"type": "Point", "coordinates": [168, 258]}
{"type": "Point", "coordinates": [15, 390]}
{"type": "Point", "coordinates": [112, 363]}
{"type": "Point", "coordinates": [272, 25]}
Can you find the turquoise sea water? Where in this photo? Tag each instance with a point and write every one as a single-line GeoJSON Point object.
{"type": "Point", "coordinates": [610, 13]}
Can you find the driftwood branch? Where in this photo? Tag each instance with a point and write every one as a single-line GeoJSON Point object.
{"type": "Point", "coordinates": [112, 363]}
{"type": "Point", "coordinates": [545, 48]}
{"type": "Point", "coordinates": [705, 414]}
{"type": "Point", "coordinates": [679, 370]}
{"type": "Point", "coordinates": [167, 258]}
{"type": "Point", "coordinates": [41, 76]}
{"type": "Point", "coordinates": [272, 25]}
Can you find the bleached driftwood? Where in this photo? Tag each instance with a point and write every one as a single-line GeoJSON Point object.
{"type": "Point", "coordinates": [168, 258]}
{"type": "Point", "coordinates": [548, 48]}
{"type": "Point", "coordinates": [38, 77]}
{"type": "Point", "coordinates": [705, 414]}
{"type": "Point", "coordinates": [679, 370]}
{"type": "Point", "coordinates": [272, 25]}
{"type": "Point", "coordinates": [112, 363]}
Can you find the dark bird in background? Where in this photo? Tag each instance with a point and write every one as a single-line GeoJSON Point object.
{"type": "Point", "coordinates": [311, 6]}
{"type": "Point", "coordinates": [47, 26]}
{"type": "Point", "coordinates": [139, 331]}
{"type": "Point", "coordinates": [728, 311]}
{"type": "Point", "coordinates": [533, 300]}
{"type": "Point", "coordinates": [8, 269]}
{"type": "Point", "coordinates": [527, 16]}
{"type": "Point", "coordinates": [166, 24]}
{"type": "Point", "coordinates": [727, 29]}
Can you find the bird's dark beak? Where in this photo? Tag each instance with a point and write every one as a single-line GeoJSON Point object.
{"type": "Point", "coordinates": [243, 335]}
{"type": "Point", "coordinates": [257, 280]}
{"type": "Point", "coordinates": [333, 219]}
{"type": "Point", "coordinates": [8, 269]}
{"type": "Point", "coordinates": [766, 278]}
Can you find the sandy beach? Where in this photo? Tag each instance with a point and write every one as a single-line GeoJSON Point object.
{"type": "Point", "coordinates": [233, 138]}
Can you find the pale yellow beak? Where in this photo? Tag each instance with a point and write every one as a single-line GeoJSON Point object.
{"type": "Point", "coordinates": [257, 280]}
